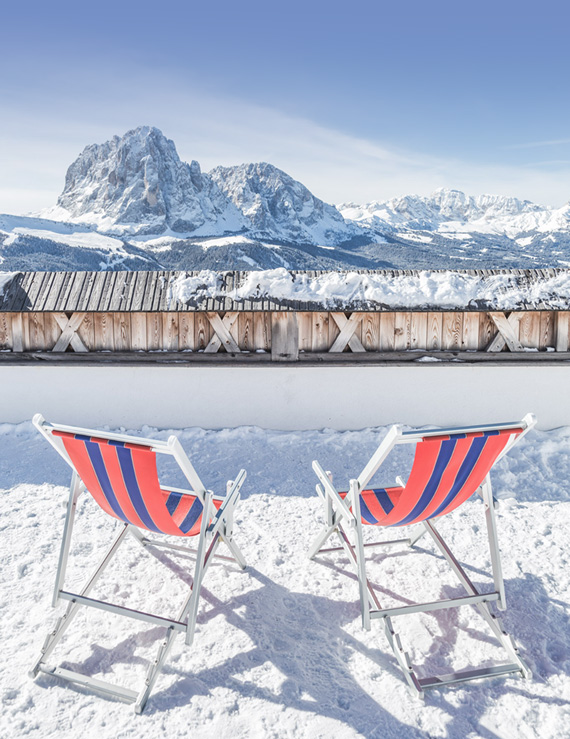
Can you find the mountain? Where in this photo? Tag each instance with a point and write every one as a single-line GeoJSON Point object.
{"type": "Point", "coordinates": [131, 203]}
{"type": "Point", "coordinates": [137, 184]}
{"type": "Point", "coordinates": [446, 209]}
{"type": "Point", "coordinates": [279, 207]}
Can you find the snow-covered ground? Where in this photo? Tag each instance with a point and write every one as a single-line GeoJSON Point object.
{"type": "Point", "coordinates": [279, 651]}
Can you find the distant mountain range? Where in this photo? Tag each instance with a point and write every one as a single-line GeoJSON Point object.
{"type": "Point", "coordinates": [131, 203]}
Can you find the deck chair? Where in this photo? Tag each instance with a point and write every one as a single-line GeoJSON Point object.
{"type": "Point", "coordinates": [449, 466]}
{"type": "Point", "coordinates": [120, 472]}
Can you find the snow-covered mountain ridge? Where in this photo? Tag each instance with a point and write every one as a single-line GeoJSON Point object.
{"type": "Point", "coordinates": [132, 203]}
{"type": "Point", "coordinates": [451, 210]}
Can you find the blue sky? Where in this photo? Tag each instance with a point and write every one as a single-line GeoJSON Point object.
{"type": "Point", "coordinates": [358, 100]}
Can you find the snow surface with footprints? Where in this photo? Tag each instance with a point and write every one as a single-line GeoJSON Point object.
{"type": "Point", "coordinates": [279, 649]}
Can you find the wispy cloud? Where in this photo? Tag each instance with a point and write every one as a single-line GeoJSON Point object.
{"type": "Point", "coordinates": [538, 144]}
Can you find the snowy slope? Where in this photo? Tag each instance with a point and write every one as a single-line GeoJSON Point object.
{"type": "Point", "coordinates": [28, 243]}
{"type": "Point", "coordinates": [279, 650]}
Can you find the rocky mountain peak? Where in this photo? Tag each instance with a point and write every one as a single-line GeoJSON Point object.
{"type": "Point", "coordinates": [137, 182]}
{"type": "Point", "coordinates": [279, 206]}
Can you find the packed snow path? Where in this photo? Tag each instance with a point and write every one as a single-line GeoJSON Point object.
{"type": "Point", "coordinates": [279, 651]}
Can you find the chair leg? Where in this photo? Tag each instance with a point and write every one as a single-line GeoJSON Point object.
{"type": "Point", "coordinates": [319, 541]}
{"type": "Point", "coordinates": [63, 622]}
{"type": "Point", "coordinates": [420, 531]}
{"type": "Point", "coordinates": [190, 609]}
{"type": "Point", "coordinates": [227, 533]}
{"type": "Point", "coordinates": [154, 670]}
{"type": "Point", "coordinates": [360, 560]}
{"type": "Point", "coordinates": [402, 658]}
{"type": "Point", "coordinates": [494, 543]}
{"type": "Point", "coordinates": [74, 492]}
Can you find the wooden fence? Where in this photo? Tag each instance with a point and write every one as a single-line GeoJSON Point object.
{"type": "Point", "coordinates": [284, 334]}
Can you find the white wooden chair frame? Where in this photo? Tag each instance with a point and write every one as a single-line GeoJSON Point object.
{"type": "Point", "coordinates": [339, 511]}
{"type": "Point", "coordinates": [215, 527]}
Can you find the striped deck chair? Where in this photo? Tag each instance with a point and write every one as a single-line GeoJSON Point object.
{"type": "Point", "coordinates": [449, 466]}
{"type": "Point", "coordinates": [120, 472]}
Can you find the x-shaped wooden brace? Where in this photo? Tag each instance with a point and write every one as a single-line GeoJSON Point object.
{"type": "Point", "coordinates": [506, 334]}
{"type": "Point", "coordinates": [222, 333]}
{"type": "Point", "coordinates": [347, 328]}
{"type": "Point", "coordinates": [69, 335]}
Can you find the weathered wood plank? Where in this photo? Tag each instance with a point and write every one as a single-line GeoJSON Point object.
{"type": "Point", "coordinates": [318, 359]}
{"type": "Point", "coordinates": [262, 331]}
{"type": "Point", "coordinates": [547, 330]}
{"type": "Point", "coordinates": [122, 331]}
{"type": "Point", "coordinates": [86, 331]}
{"type": "Point", "coordinates": [305, 328]}
{"type": "Point", "coordinates": [320, 332]}
{"type": "Point", "coordinates": [44, 291]}
{"type": "Point", "coordinates": [186, 340]}
{"type": "Point", "coordinates": [138, 331]}
{"type": "Point", "coordinates": [104, 329]}
{"type": "Point", "coordinates": [109, 288]}
{"type": "Point", "coordinates": [84, 295]}
{"type": "Point", "coordinates": [93, 299]}
{"type": "Point", "coordinates": [370, 326]}
{"type": "Point", "coordinates": [122, 295]}
{"type": "Point", "coordinates": [152, 285]}
{"type": "Point", "coordinates": [562, 326]}
{"type": "Point", "coordinates": [17, 333]}
{"type": "Point", "coordinates": [418, 330]}
{"type": "Point", "coordinates": [52, 331]}
{"type": "Point", "coordinates": [245, 332]}
{"type": "Point", "coordinates": [284, 337]}
{"type": "Point", "coordinates": [153, 332]}
{"type": "Point", "coordinates": [529, 329]}
{"type": "Point", "coordinates": [72, 283]}
{"type": "Point", "coordinates": [203, 331]}
{"type": "Point", "coordinates": [52, 296]}
{"type": "Point", "coordinates": [5, 331]}
{"type": "Point", "coordinates": [434, 332]}
{"type": "Point", "coordinates": [452, 331]}
{"type": "Point", "coordinates": [401, 331]}
{"type": "Point", "coordinates": [387, 332]}
{"type": "Point", "coordinates": [34, 332]}
{"type": "Point", "coordinates": [170, 335]}
{"type": "Point", "coordinates": [137, 295]}
{"type": "Point", "coordinates": [34, 289]}
{"type": "Point", "coordinates": [487, 330]}
{"type": "Point", "coordinates": [470, 337]}
{"type": "Point", "coordinates": [334, 330]}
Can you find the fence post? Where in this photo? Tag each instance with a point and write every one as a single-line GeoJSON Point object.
{"type": "Point", "coordinates": [284, 337]}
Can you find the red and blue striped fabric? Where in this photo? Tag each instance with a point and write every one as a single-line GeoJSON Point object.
{"type": "Point", "coordinates": [123, 480]}
{"type": "Point", "coordinates": [446, 471]}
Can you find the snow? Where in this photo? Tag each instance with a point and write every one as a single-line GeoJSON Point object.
{"type": "Point", "coordinates": [420, 238]}
{"type": "Point", "coordinates": [5, 279]}
{"type": "Point", "coordinates": [279, 650]}
{"type": "Point", "coordinates": [82, 239]}
{"type": "Point", "coordinates": [447, 289]}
